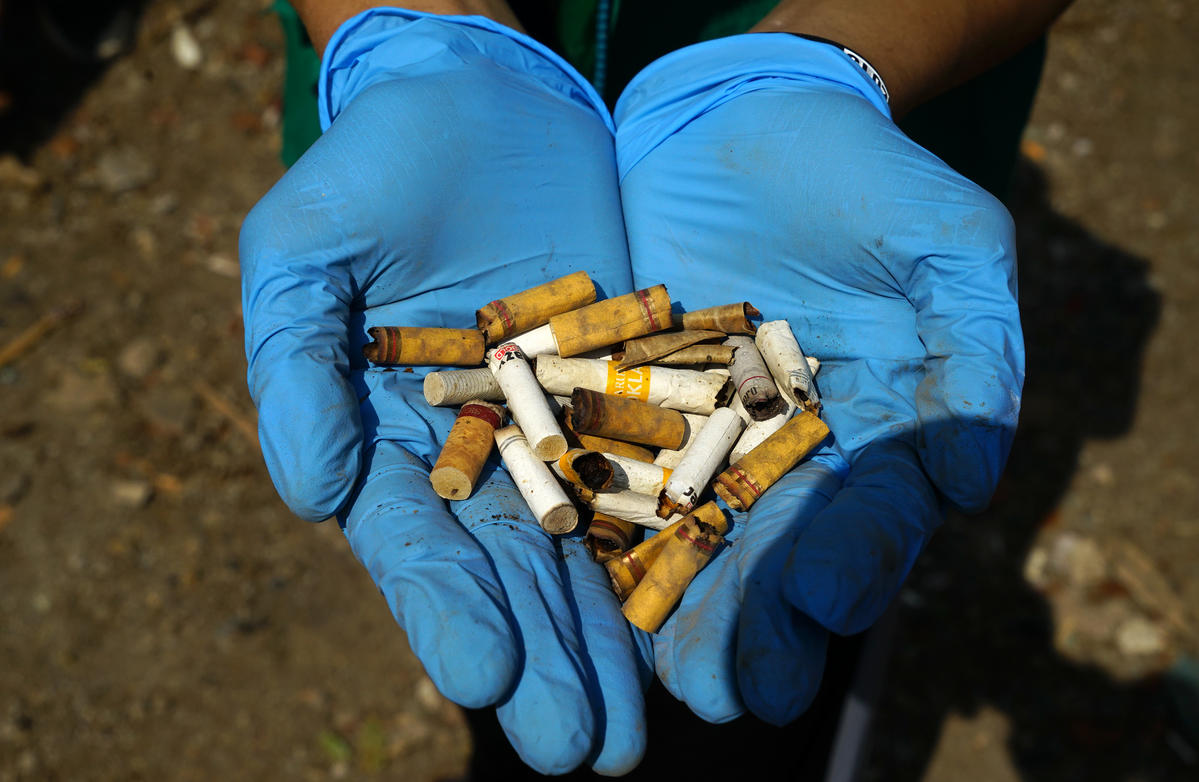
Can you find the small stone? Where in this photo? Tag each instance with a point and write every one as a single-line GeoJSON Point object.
{"type": "Point", "coordinates": [427, 695]}
{"type": "Point", "coordinates": [164, 204]}
{"type": "Point", "coordinates": [1082, 147]}
{"type": "Point", "coordinates": [223, 265]}
{"type": "Point", "coordinates": [132, 493]}
{"type": "Point", "coordinates": [1036, 568]}
{"type": "Point", "coordinates": [185, 48]}
{"type": "Point", "coordinates": [1103, 474]}
{"type": "Point", "coordinates": [77, 392]}
{"type": "Point", "coordinates": [1138, 636]}
{"type": "Point", "coordinates": [138, 358]}
{"type": "Point", "coordinates": [1078, 559]}
{"type": "Point", "coordinates": [13, 487]}
{"type": "Point", "coordinates": [144, 241]}
{"type": "Point", "coordinates": [14, 172]}
{"type": "Point", "coordinates": [169, 410]}
{"type": "Point", "coordinates": [122, 170]}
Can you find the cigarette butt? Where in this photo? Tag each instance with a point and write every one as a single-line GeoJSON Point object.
{"type": "Point", "coordinates": [538, 342]}
{"type": "Point", "coordinates": [744, 482]}
{"type": "Point", "coordinates": [753, 381]}
{"type": "Point", "coordinates": [526, 402]}
{"type": "Point", "coordinates": [670, 457]}
{"type": "Point", "coordinates": [585, 468]}
{"type": "Point", "coordinates": [627, 569]}
{"type": "Point", "coordinates": [418, 345]}
{"type": "Point", "coordinates": [516, 314]}
{"type": "Point", "coordinates": [608, 537]}
{"type": "Point", "coordinates": [612, 320]}
{"type": "Point", "coordinates": [466, 449]}
{"type": "Point", "coordinates": [639, 509]}
{"type": "Point", "coordinates": [646, 349]}
{"type": "Point", "coordinates": [603, 444]}
{"type": "Point", "coordinates": [701, 461]}
{"type": "Point", "coordinates": [453, 387]}
{"type": "Point", "coordinates": [685, 390]}
{"type": "Point", "coordinates": [726, 318]}
{"type": "Point", "coordinates": [550, 506]}
{"type": "Point", "coordinates": [621, 418]}
{"type": "Point", "coordinates": [681, 557]}
{"type": "Point", "coordinates": [698, 354]}
{"type": "Point", "coordinates": [637, 476]}
{"type": "Point", "coordinates": [788, 365]}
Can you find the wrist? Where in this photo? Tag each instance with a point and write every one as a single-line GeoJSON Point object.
{"type": "Point", "coordinates": [675, 89]}
{"type": "Point", "coordinates": [322, 17]}
{"type": "Point", "coordinates": [384, 43]}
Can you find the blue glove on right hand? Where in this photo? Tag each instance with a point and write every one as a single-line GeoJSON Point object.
{"type": "Point", "coordinates": [766, 167]}
{"type": "Point", "coordinates": [461, 162]}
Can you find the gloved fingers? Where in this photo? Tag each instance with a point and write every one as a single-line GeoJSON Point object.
{"type": "Point", "coordinates": [780, 656]}
{"type": "Point", "coordinates": [296, 302]}
{"type": "Point", "coordinates": [847, 564]}
{"type": "Point", "coordinates": [969, 321]}
{"type": "Point", "coordinates": [620, 659]}
{"type": "Point", "coordinates": [731, 615]}
{"type": "Point", "coordinates": [438, 582]}
{"type": "Point", "coordinates": [780, 652]}
{"type": "Point", "coordinates": [695, 650]}
{"type": "Point", "coordinates": [550, 715]}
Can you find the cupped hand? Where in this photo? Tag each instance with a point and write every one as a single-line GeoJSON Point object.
{"type": "Point", "coordinates": [767, 168]}
{"type": "Point", "coordinates": [461, 162]}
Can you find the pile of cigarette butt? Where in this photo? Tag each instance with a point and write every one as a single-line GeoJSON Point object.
{"type": "Point", "coordinates": [624, 411]}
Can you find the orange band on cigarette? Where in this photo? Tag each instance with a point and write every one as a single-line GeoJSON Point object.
{"type": "Point", "coordinates": [632, 383]}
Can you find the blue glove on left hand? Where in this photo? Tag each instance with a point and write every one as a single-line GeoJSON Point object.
{"type": "Point", "coordinates": [766, 167]}
{"type": "Point", "coordinates": [462, 161]}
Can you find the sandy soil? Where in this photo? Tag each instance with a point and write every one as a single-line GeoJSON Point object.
{"type": "Point", "coordinates": [165, 617]}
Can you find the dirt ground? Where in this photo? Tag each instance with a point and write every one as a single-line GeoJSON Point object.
{"type": "Point", "coordinates": [163, 616]}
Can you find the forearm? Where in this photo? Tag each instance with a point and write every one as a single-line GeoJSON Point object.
{"type": "Point", "coordinates": [322, 17]}
{"type": "Point", "coordinates": [920, 47]}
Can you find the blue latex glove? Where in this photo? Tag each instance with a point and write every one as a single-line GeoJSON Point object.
{"type": "Point", "coordinates": [461, 162]}
{"type": "Point", "coordinates": [766, 167]}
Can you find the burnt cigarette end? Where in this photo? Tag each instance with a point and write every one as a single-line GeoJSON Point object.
{"type": "Point", "coordinates": [586, 468]}
{"type": "Point", "coordinates": [608, 537]}
{"type": "Point", "coordinates": [594, 470]}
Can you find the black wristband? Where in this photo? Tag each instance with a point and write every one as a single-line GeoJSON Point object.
{"type": "Point", "coordinates": [858, 59]}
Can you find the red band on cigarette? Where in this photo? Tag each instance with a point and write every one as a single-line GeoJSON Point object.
{"type": "Point", "coordinates": [611, 528]}
{"type": "Point", "coordinates": [482, 413]}
{"type": "Point", "coordinates": [508, 350]}
{"type": "Point", "coordinates": [501, 309]}
{"type": "Point", "coordinates": [749, 484]}
{"type": "Point", "coordinates": [753, 377]}
{"type": "Point", "coordinates": [702, 545]}
{"type": "Point", "coordinates": [643, 298]}
{"type": "Point", "coordinates": [391, 345]}
{"type": "Point", "coordinates": [635, 565]}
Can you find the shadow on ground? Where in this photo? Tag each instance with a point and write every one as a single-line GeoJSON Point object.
{"type": "Point", "coordinates": [974, 633]}
{"type": "Point", "coordinates": [51, 52]}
